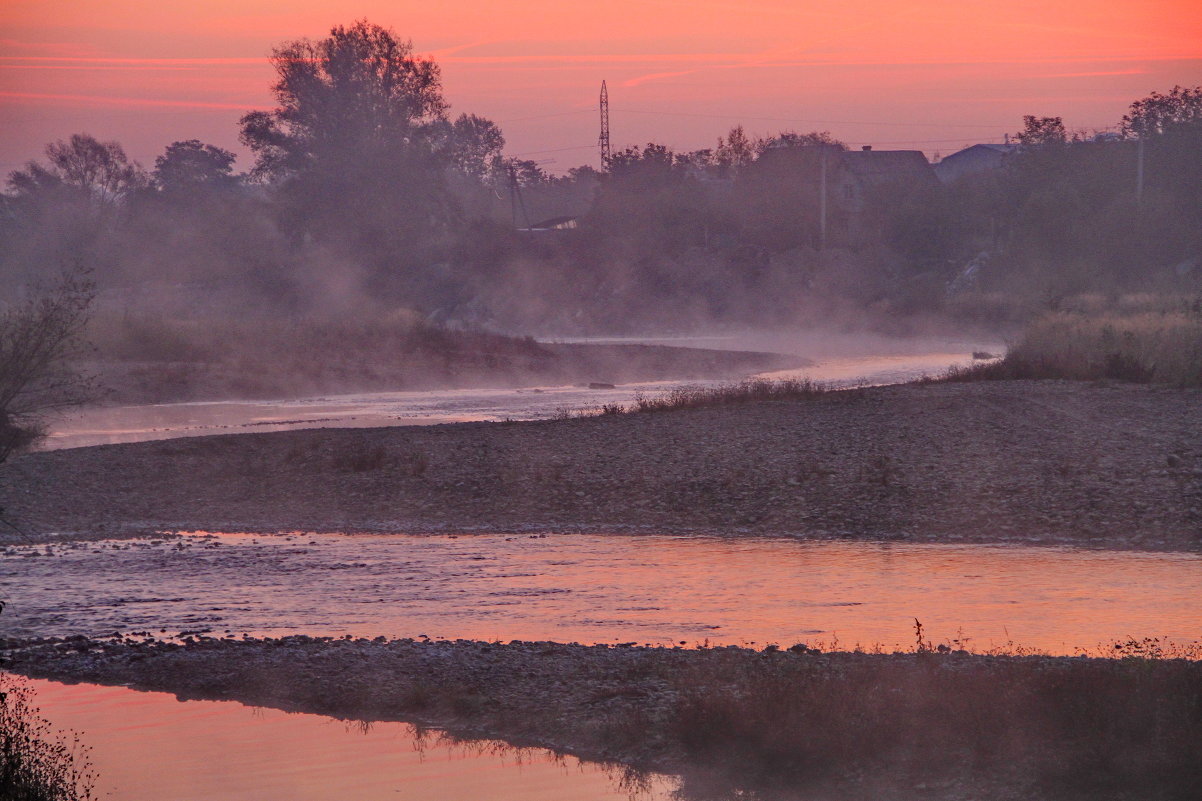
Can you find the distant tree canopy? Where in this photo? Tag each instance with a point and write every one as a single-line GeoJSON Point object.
{"type": "Point", "coordinates": [474, 145]}
{"type": "Point", "coordinates": [357, 146]}
{"type": "Point", "coordinates": [191, 165]}
{"type": "Point", "coordinates": [354, 95]}
{"type": "Point", "coordinates": [1158, 113]}
{"type": "Point", "coordinates": [99, 169]}
{"type": "Point", "coordinates": [366, 193]}
{"type": "Point", "coordinates": [1039, 131]}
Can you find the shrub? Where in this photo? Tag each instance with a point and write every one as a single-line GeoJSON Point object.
{"type": "Point", "coordinates": [36, 762]}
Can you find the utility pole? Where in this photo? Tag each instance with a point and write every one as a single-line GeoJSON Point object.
{"type": "Point", "coordinates": [822, 202]}
{"type": "Point", "coordinates": [1139, 174]}
{"type": "Point", "coordinates": [603, 139]}
{"type": "Point", "coordinates": [515, 198]}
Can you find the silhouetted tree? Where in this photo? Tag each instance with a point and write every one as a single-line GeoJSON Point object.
{"type": "Point", "coordinates": [1039, 131]}
{"type": "Point", "coordinates": [62, 210]}
{"type": "Point", "coordinates": [735, 151]}
{"type": "Point", "coordinates": [191, 165]}
{"type": "Point", "coordinates": [474, 144]}
{"type": "Point", "coordinates": [353, 149]}
{"type": "Point", "coordinates": [1158, 113]}
{"type": "Point", "coordinates": [99, 169]}
{"type": "Point", "coordinates": [349, 97]}
{"type": "Point", "coordinates": [794, 139]}
{"type": "Point", "coordinates": [40, 339]}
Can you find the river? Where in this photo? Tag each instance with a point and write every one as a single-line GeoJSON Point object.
{"type": "Point", "coordinates": [584, 588]}
{"type": "Point", "coordinates": [877, 362]}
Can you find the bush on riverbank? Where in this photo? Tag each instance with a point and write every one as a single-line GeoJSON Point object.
{"type": "Point", "coordinates": [1147, 347]}
{"type": "Point", "coordinates": [37, 763]}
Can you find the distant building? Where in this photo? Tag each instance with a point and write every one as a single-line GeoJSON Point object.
{"type": "Point", "coordinates": [837, 193]}
{"type": "Point", "coordinates": [971, 161]}
{"type": "Point", "coordinates": [860, 174]}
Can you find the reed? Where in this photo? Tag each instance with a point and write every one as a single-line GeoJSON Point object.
{"type": "Point", "coordinates": [1161, 347]}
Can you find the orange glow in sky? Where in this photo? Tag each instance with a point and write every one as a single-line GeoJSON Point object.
{"type": "Point", "coordinates": [933, 75]}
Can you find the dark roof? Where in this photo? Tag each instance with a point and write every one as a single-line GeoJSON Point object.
{"type": "Point", "coordinates": [881, 166]}
{"type": "Point", "coordinates": [973, 150]}
{"type": "Point", "coordinates": [972, 159]}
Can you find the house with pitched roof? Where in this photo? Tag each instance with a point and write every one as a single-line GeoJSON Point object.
{"type": "Point", "coordinates": [972, 161]}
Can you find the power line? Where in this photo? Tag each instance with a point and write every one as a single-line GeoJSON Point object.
{"type": "Point", "coordinates": [545, 116]}
{"type": "Point", "coordinates": [553, 150]}
{"type": "Point", "coordinates": [814, 122]}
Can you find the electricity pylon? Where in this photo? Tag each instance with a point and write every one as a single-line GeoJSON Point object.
{"type": "Point", "coordinates": [603, 140]}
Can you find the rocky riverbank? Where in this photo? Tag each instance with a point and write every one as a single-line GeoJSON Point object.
{"type": "Point", "coordinates": [933, 724]}
{"type": "Point", "coordinates": [1104, 465]}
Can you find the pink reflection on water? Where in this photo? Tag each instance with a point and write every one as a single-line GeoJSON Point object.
{"type": "Point", "coordinates": [597, 589]}
{"type": "Point", "coordinates": [149, 746]}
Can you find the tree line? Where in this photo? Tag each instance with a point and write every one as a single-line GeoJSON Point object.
{"type": "Point", "coordinates": [366, 194]}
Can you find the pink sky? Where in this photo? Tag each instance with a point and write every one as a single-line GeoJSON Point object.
{"type": "Point", "coordinates": [932, 75]}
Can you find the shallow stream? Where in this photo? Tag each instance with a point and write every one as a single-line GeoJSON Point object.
{"type": "Point", "coordinates": [599, 589]}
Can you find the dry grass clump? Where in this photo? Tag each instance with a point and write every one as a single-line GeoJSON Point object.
{"type": "Point", "coordinates": [36, 762]}
{"type": "Point", "coordinates": [695, 396]}
{"type": "Point", "coordinates": [1145, 347]}
{"type": "Point", "coordinates": [749, 391]}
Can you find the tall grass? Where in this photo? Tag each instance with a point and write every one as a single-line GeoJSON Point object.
{"type": "Point", "coordinates": [748, 391]}
{"type": "Point", "coordinates": [1143, 347]}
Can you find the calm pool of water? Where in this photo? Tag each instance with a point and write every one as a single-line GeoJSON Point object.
{"type": "Point", "coordinates": [149, 747]}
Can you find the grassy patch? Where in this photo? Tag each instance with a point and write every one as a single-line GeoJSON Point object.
{"type": "Point", "coordinates": [1145, 347]}
{"type": "Point", "coordinates": [749, 391]}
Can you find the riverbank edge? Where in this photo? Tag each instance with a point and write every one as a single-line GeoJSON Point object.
{"type": "Point", "coordinates": [1100, 465]}
{"type": "Point", "coordinates": [675, 710]}
{"type": "Point", "coordinates": [1111, 466]}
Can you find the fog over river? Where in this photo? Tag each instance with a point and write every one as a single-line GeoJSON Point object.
{"type": "Point", "coordinates": [853, 361]}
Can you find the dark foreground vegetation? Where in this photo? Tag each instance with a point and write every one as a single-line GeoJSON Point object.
{"type": "Point", "coordinates": [778, 723]}
{"type": "Point", "coordinates": [37, 763]}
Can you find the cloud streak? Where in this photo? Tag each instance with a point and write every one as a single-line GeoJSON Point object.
{"type": "Point", "coordinates": [130, 102]}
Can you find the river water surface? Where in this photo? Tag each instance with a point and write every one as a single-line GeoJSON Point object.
{"type": "Point", "coordinates": [649, 589]}
{"type": "Point", "coordinates": [147, 746]}
{"type": "Point", "coordinates": [603, 589]}
{"type": "Point", "coordinates": [106, 425]}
